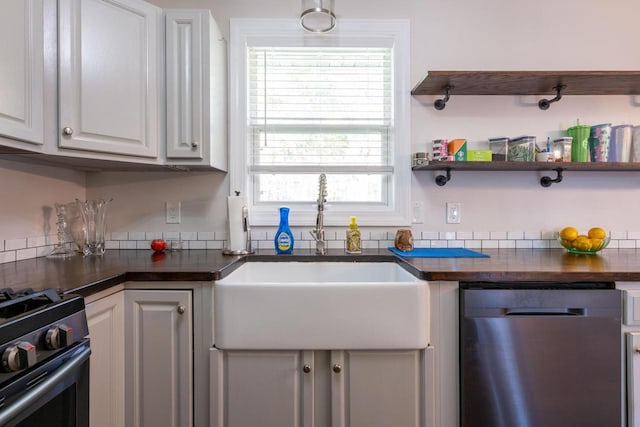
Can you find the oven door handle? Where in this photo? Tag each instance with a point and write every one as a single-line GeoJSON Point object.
{"type": "Point", "coordinates": [32, 396]}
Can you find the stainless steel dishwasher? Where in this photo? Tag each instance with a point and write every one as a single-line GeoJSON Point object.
{"type": "Point", "coordinates": [540, 355]}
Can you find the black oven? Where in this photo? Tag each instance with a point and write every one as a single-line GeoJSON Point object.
{"type": "Point", "coordinates": [44, 361]}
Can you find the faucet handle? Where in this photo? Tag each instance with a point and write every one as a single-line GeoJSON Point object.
{"type": "Point", "coordinates": [323, 189]}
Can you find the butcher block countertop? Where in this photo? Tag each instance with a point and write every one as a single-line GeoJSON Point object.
{"type": "Point", "coordinates": [88, 275]}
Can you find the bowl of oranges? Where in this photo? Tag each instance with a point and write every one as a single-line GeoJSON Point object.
{"type": "Point", "coordinates": [595, 240]}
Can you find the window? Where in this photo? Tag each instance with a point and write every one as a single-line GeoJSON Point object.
{"type": "Point", "coordinates": [309, 104]}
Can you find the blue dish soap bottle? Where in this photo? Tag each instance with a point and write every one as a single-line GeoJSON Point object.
{"type": "Point", "coordinates": [284, 237]}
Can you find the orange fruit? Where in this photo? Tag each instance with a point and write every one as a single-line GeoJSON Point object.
{"type": "Point", "coordinates": [596, 244]}
{"type": "Point", "coordinates": [597, 233]}
{"type": "Point", "coordinates": [568, 233]}
{"type": "Point", "coordinates": [582, 243]}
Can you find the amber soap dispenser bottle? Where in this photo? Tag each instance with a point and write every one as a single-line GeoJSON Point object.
{"type": "Point", "coordinates": [353, 237]}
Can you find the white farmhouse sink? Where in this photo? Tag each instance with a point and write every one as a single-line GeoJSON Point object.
{"type": "Point", "coordinates": [321, 305]}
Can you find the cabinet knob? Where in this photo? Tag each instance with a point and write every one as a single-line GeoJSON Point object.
{"type": "Point", "coordinates": [181, 309]}
{"type": "Point", "coordinates": [306, 368]}
{"type": "Point", "coordinates": [67, 131]}
{"type": "Point", "coordinates": [337, 368]}
{"type": "Point", "coordinates": [194, 144]}
{"type": "Point", "coordinates": [637, 350]}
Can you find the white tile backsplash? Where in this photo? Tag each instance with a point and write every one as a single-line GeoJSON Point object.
{"type": "Point", "coordinates": [14, 244]}
{"type": "Point", "coordinates": [515, 235]}
{"type": "Point", "coordinates": [206, 235]}
{"type": "Point", "coordinates": [26, 254]}
{"type": "Point", "coordinates": [482, 235]}
{"type": "Point", "coordinates": [137, 235]}
{"type": "Point", "coordinates": [38, 246]}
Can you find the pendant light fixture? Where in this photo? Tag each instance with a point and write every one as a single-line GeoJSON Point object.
{"type": "Point", "coordinates": [317, 16]}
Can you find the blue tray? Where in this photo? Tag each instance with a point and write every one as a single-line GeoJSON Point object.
{"type": "Point", "coordinates": [439, 253]}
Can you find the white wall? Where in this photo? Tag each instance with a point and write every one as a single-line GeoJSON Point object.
{"type": "Point", "coordinates": [27, 196]}
{"type": "Point", "coordinates": [503, 35]}
{"type": "Point", "coordinates": [445, 35]}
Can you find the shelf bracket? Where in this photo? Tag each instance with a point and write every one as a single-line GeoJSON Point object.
{"type": "Point", "coordinates": [443, 179]}
{"type": "Point", "coordinates": [544, 104]}
{"type": "Point", "coordinates": [439, 104]}
{"type": "Point", "coordinates": [546, 181]}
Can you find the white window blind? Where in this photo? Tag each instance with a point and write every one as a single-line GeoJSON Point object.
{"type": "Point", "coordinates": [303, 104]}
{"type": "Point", "coordinates": [320, 109]}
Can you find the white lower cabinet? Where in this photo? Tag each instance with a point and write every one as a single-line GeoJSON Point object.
{"type": "Point", "coordinates": [142, 359]}
{"type": "Point", "coordinates": [360, 388]}
{"type": "Point", "coordinates": [106, 376]}
{"type": "Point", "coordinates": [633, 379]}
{"type": "Point", "coordinates": [631, 361]}
{"type": "Point", "coordinates": [159, 354]}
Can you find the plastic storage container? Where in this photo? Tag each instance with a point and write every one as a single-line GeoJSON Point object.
{"type": "Point", "coordinates": [522, 149]}
{"type": "Point", "coordinates": [635, 144]}
{"type": "Point", "coordinates": [620, 143]}
{"type": "Point", "coordinates": [499, 147]}
{"type": "Point", "coordinates": [562, 149]}
{"type": "Point", "coordinates": [599, 142]}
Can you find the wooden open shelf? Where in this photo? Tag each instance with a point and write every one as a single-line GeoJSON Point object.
{"type": "Point", "coordinates": [529, 82]}
{"type": "Point", "coordinates": [545, 181]}
{"type": "Point", "coordinates": [530, 166]}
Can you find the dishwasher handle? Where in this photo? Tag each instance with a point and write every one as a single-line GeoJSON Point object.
{"type": "Point", "coordinates": [544, 311]}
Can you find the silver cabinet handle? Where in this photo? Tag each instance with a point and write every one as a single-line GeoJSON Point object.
{"type": "Point", "coordinates": [306, 368]}
{"type": "Point", "coordinates": [194, 144]}
{"type": "Point", "coordinates": [67, 131]}
{"type": "Point", "coordinates": [181, 309]}
{"type": "Point", "coordinates": [337, 368]}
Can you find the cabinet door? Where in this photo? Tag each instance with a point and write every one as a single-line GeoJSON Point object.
{"type": "Point", "coordinates": [185, 115]}
{"type": "Point", "coordinates": [196, 65]}
{"type": "Point", "coordinates": [261, 388]}
{"type": "Point", "coordinates": [633, 379]}
{"type": "Point", "coordinates": [159, 342]}
{"type": "Point", "coordinates": [109, 64]}
{"type": "Point", "coordinates": [22, 70]}
{"type": "Point", "coordinates": [106, 379]}
{"type": "Point", "coordinates": [378, 388]}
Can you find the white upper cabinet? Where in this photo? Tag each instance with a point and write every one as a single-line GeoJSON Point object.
{"type": "Point", "coordinates": [22, 72]}
{"type": "Point", "coordinates": [196, 74]}
{"type": "Point", "coordinates": [110, 64]}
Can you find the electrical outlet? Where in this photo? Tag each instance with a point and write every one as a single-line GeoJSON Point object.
{"type": "Point", "coordinates": [417, 213]}
{"type": "Point", "coordinates": [173, 212]}
{"type": "Point", "coordinates": [454, 212]}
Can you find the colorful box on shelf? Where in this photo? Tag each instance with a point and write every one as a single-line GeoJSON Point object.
{"type": "Point", "coordinates": [458, 149]}
{"type": "Point", "coordinates": [479, 155]}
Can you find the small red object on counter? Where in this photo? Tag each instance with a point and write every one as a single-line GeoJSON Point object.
{"type": "Point", "coordinates": [158, 245]}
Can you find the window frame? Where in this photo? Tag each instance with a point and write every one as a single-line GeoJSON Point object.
{"type": "Point", "coordinates": [393, 32]}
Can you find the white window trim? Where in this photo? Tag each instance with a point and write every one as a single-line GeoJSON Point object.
{"type": "Point", "coordinates": [396, 32]}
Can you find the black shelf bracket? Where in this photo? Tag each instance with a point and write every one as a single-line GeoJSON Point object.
{"type": "Point", "coordinates": [546, 181]}
{"type": "Point", "coordinates": [439, 104]}
{"type": "Point", "coordinates": [544, 104]}
{"type": "Point", "coordinates": [443, 179]}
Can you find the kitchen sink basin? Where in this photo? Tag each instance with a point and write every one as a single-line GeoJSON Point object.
{"type": "Point", "coordinates": [321, 305]}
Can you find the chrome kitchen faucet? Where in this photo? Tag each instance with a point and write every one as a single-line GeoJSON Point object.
{"type": "Point", "coordinates": [318, 233]}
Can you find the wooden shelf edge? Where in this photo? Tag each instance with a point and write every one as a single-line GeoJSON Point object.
{"type": "Point", "coordinates": [529, 82]}
{"type": "Point", "coordinates": [529, 166]}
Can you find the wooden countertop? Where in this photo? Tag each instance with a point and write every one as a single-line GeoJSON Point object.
{"type": "Point", "coordinates": [88, 275]}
